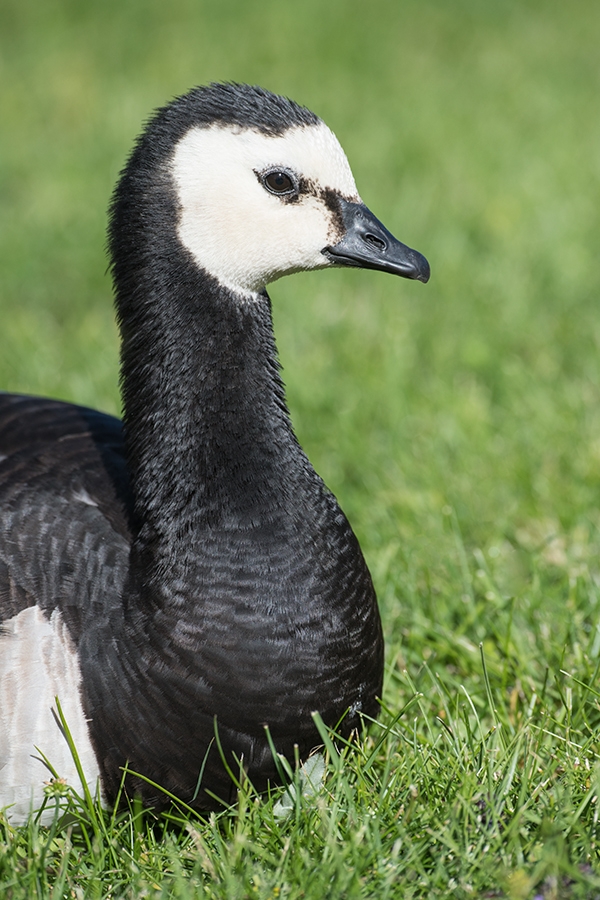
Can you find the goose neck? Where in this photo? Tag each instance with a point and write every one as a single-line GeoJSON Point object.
{"type": "Point", "coordinates": [208, 436]}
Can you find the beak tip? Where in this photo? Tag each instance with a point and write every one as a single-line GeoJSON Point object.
{"type": "Point", "coordinates": [416, 267]}
{"type": "Point", "coordinates": [423, 272]}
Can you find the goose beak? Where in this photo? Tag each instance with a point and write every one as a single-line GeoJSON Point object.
{"type": "Point", "coordinates": [368, 244]}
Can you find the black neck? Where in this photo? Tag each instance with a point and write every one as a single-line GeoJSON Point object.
{"type": "Point", "coordinates": [208, 435]}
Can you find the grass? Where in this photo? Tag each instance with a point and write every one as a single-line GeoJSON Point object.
{"type": "Point", "coordinates": [458, 423]}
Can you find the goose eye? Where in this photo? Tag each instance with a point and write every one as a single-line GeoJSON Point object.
{"type": "Point", "coordinates": [279, 183]}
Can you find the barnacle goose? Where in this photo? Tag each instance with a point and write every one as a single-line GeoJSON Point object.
{"type": "Point", "coordinates": [188, 568]}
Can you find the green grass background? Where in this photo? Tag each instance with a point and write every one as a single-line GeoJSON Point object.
{"type": "Point", "coordinates": [458, 423]}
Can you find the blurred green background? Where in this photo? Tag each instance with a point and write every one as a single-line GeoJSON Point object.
{"type": "Point", "coordinates": [458, 422]}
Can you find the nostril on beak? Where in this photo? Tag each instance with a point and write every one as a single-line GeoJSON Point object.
{"type": "Point", "coordinates": [376, 242]}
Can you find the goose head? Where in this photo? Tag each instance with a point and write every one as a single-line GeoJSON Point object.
{"type": "Point", "coordinates": [263, 189]}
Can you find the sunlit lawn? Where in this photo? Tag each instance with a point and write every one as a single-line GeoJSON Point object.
{"type": "Point", "coordinates": [458, 422]}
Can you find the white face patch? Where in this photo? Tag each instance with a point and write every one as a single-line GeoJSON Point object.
{"type": "Point", "coordinates": [236, 230]}
{"type": "Point", "coordinates": [38, 663]}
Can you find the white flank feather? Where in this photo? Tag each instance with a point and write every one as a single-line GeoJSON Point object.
{"type": "Point", "coordinates": [38, 663]}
